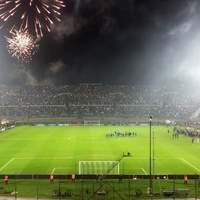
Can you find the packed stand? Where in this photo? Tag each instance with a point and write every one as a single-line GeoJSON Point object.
{"type": "Point", "coordinates": [22, 102]}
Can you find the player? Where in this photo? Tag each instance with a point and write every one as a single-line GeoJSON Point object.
{"type": "Point", "coordinates": [51, 178]}
{"type": "Point", "coordinates": [185, 179]}
{"type": "Point", "coordinates": [73, 177]}
{"type": "Point", "coordinates": [6, 179]}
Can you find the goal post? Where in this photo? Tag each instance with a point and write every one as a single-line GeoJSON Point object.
{"type": "Point", "coordinates": [92, 123]}
{"type": "Point", "coordinates": [99, 167]}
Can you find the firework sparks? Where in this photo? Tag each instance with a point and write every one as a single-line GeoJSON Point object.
{"type": "Point", "coordinates": [21, 45]}
{"type": "Point", "coordinates": [37, 15]}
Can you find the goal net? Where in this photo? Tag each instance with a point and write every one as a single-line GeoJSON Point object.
{"type": "Point", "coordinates": [92, 123]}
{"type": "Point", "coordinates": [98, 167]}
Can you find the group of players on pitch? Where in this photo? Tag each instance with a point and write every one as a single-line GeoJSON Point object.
{"type": "Point", "coordinates": [121, 133]}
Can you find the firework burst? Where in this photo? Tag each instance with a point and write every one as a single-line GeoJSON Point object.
{"type": "Point", "coordinates": [21, 45]}
{"type": "Point", "coordinates": [35, 15]}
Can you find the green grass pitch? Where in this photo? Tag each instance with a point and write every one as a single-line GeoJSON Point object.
{"type": "Point", "coordinates": [58, 150]}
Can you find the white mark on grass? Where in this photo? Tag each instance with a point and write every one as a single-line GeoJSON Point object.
{"type": "Point", "coordinates": [7, 163]}
{"type": "Point", "coordinates": [138, 169]}
{"type": "Point", "coordinates": [136, 158]}
{"type": "Point", "coordinates": [53, 170]}
{"type": "Point", "coordinates": [60, 169]}
{"type": "Point", "coordinates": [45, 158]}
{"type": "Point", "coordinates": [144, 171]}
{"type": "Point", "coordinates": [10, 132]}
{"type": "Point", "coordinates": [189, 164]}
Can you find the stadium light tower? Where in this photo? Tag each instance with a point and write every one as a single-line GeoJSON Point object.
{"type": "Point", "coordinates": [150, 152]}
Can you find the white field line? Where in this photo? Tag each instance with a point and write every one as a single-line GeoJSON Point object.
{"type": "Point", "coordinates": [50, 158]}
{"type": "Point", "coordinates": [144, 171]}
{"type": "Point", "coordinates": [7, 163]}
{"type": "Point", "coordinates": [60, 168]}
{"type": "Point", "coordinates": [69, 157]}
{"type": "Point", "coordinates": [61, 158]}
{"type": "Point", "coordinates": [112, 161]}
{"type": "Point", "coordinates": [189, 164]}
{"type": "Point", "coordinates": [10, 132]}
{"type": "Point", "coordinates": [137, 169]}
{"type": "Point", "coordinates": [53, 170]}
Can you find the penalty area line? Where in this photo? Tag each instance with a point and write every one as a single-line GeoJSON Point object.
{"type": "Point", "coordinates": [139, 169]}
{"type": "Point", "coordinates": [144, 171]}
{"type": "Point", "coordinates": [7, 163]}
{"type": "Point", "coordinates": [53, 170]}
{"type": "Point", "coordinates": [189, 164]}
{"type": "Point", "coordinates": [59, 168]}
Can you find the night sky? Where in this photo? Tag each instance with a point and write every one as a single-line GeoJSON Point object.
{"type": "Point", "coordinates": [114, 42]}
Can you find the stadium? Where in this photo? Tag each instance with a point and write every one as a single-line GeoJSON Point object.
{"type": "Point", "coordinates": [117, 142]}
{"type": "Point", "coordinates": [99, 99]}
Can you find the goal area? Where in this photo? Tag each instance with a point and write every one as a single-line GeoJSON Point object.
{"type": "Point", "coordinates": [99, 167]}
{"type": "Point", "coordinates": [92, 123]}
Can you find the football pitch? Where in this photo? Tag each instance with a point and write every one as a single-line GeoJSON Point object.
{"type": "Point", "coordinates": [88, 149]}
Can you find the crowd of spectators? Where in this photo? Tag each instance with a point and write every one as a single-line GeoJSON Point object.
{"type": "Point", "coordinates": [22, 102]}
